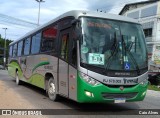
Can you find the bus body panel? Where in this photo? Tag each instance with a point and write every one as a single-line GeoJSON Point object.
{"type": "Point", "coordinates": [12, 66]}
{"type": "Point", "coordinates": [114, 88]}
{"type": "Point", "coordinates": [73, 83]}
{"type": "Point", "coordinates": [118, 80]}
{"type": "Point", "coordinates": [63, 78]}
{"type": "Point", "coordinates": [135, 93]}
{"type": "Point", "coordinates": [34, 73]}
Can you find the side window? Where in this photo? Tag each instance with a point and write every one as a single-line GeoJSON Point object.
{"type": "Point", "coordinates": [73, 52]}
{"type": "Point", "coordinates": [73, 46]}
{"type": "Point", "coordinates": [20, 45]}
{"type": "Point", "coordinates": [15, 50]}
{"type": "Point", "coordinates": [64, 46]}
{"type": "Point", "coordinates": [10, 51]}
{"type": "Point", "coordinates": [36, 39]}
{"type": "Point", "coordinates": [27, 46]}
{"type": "Point", "coordinates": [49, 39]}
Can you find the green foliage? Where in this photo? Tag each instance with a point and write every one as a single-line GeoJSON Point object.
{"type": "Point", "coordinates": [2, 41]}
{"type": "Point", "coordinates": [153, 87]}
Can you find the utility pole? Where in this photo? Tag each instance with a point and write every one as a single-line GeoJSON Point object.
{"type": "Point", "coordinates": [39, 1]}
{"type": "Point", "coordinates": [5, 48]}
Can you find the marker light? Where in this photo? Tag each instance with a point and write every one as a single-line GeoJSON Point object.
{"type": "Point", "coordinates": [144, 93]}
{"type": "Point", "coordinates": [89, 80]}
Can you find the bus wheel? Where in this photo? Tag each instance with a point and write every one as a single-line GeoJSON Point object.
{"type": "Point", "coordinates": [18, 82]}
{"type": "Point", "coordinates": [51, 90]}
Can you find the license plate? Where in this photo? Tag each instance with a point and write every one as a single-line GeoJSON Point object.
{"type": "Point", "coordinates": [119, 100]}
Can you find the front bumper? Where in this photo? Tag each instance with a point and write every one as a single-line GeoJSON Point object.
{"type": "Point", "coordinates": [104, 94]}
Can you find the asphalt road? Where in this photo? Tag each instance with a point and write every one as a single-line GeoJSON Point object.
{"type": "Point", "coordinates": [39, 100]}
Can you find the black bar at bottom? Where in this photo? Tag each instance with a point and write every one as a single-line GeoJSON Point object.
{"type": "Point", "coordinates": [79, 112]}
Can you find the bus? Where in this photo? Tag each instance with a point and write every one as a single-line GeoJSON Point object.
{"type": "Point", "coordinates": [85, 56]}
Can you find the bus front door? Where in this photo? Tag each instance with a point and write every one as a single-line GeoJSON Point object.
{"type": "Point", "coordinates": [63, 62]}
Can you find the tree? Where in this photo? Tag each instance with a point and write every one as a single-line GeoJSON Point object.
{"type": "Point", "coordinates": [2, 41]}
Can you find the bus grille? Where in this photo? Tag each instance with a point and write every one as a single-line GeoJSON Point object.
{"type": "Point", "coordinates": [118, 95]}
{"type": "Point", "coordinates": [118, 86]}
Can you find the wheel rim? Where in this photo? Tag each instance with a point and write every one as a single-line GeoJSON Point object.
{"type": "Point", "coordinates": [52, 88]}
{"type": "Point", "coordinates": [17, 79]}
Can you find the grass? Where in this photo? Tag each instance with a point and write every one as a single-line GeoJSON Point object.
{"type": "Point", "coordinates": [153, 87]}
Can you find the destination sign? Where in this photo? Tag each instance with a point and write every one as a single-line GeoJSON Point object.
{"type": "Point", "coordinates": [100, 25]}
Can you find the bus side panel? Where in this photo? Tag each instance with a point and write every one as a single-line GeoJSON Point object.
{"type": "Point", "coordinates": [12, 66]}
{"type": "Point", "coordinates": [32, 69]}
{"type": "Point", "coordinates": [11, 69]}
{"type": "Point", "coordinates": [72, 83]}
{"type": "Point", "coordinates": [37, 80]}
{"type": "Point", "coordinates": [38, 66]}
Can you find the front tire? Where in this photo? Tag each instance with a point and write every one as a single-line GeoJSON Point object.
{"type": "Point", "coordinates": [51, 90]}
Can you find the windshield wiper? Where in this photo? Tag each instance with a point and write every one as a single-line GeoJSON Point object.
{"type": "Point", "coordinates": [114, 46]}
{"type": "Point", "coordinates": [133, 59]}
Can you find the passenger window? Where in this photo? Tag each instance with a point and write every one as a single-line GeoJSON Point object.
{"type": "Point", "coordinates": [15, 50]}
{"type": "Point", "coordinates": [36, 39]}
{"type": "Point", "coordinates": [64, 47]}
{"type": "Point", "coordinates": [49, 39]}
{"type": "Point", "coordinates": [27, 46]}
{"type": "Point", "coordinates": [20, 45]}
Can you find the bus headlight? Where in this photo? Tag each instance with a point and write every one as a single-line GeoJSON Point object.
{"type": "Point", "coordinates": [144, 82]}
{"type": "Point", "coordinates": [89, 79]}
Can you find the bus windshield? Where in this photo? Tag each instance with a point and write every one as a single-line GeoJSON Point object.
{"type": "Point", "coordinates": [112, 45]}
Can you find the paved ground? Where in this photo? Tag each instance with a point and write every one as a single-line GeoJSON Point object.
{"type": "Point", "coordinates": [30, 97]}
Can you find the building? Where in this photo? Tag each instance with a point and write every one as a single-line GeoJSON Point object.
{"type": "Point", "coordinates": [148, 14]}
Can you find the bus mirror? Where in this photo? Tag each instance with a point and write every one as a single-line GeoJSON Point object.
{"type": "Point", "coordinates": [73, 22]}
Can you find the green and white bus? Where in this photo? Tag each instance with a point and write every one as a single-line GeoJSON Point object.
{"type": "Point", "coordinates": [84, 56]}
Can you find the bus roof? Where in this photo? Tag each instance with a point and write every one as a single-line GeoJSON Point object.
{"type": "Point", "coordinates": [76, 14]}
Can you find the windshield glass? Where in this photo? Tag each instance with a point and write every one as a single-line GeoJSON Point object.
{"type": "Point", "coordinates": [112, 45]}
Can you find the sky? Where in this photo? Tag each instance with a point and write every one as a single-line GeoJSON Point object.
{"type": "Point", "coordinates": [27, 10]}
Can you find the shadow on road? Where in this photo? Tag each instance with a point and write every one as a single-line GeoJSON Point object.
{"type": "Point", "coordinates": [99, 107]}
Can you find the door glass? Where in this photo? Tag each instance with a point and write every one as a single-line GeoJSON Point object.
{"type": "Point", "coordinates": [64, 47]}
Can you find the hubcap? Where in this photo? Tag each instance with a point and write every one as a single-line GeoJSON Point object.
{"type": "Point", "coordinates": [52, 88]}
{"type": "Point", "coordinates": [17, 79]}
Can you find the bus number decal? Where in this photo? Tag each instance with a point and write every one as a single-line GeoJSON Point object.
{"type": "Point", "coordinates": [95, 58]}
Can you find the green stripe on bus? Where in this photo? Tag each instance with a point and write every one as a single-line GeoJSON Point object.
{"type": "Point", "coordinates": [40, 64]}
